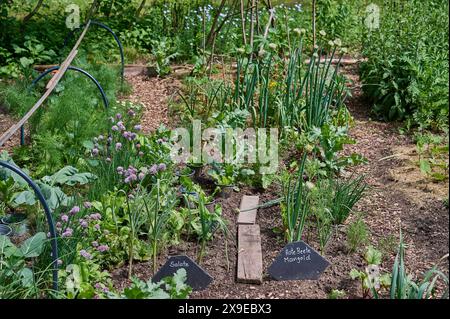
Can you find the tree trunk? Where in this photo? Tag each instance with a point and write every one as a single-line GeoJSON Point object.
{"type": "Point", "coordinates": [252, 23]}
{"type": "Point", "coordinates": [244, 36]}
{"type": "Point", "coordinates": [215, 21]}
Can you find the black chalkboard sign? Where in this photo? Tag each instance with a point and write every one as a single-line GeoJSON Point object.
{"type": "Point", "coordinates": [298, 261]}
{"type": "Point", "coordinates": [197, 278]}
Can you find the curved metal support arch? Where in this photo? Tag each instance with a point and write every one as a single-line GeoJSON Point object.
{"type": "Point", "coordinates": [41, 76]}
{"type": "Point", "coordinates": [48, 215]}
{"type": "Point", "coordinates": [104, 26]}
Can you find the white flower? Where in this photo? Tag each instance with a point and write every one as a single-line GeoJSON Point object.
{"type": "Point", "coordinates": [273, 46]}
{"type": "Point", "coordinates": [338, 42]}
{"type": "Point", "coordinates": [322, 33]}
{"type": "Point", "coordinates": [310, 185]}
{"type": "Point", "coordinates": [344, 50]}
{"type": "Point", "coordinates": [241, 50]}
{"type": "Point", "coordinates": [298, 31]}
{"type": "Point", "coordinates": [331, 43]}
{"type": "Point", "coordinates": [261, 53]}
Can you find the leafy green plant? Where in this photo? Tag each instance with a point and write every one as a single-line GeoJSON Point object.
{"type": "Point", "coordinates": [210, 222]}
{"type": "Point", "coordinates": [372, 280]}
{"type": "Point", "coordinates": [357, 234]}
{"type": "Point", "coordinates": [169, 288]}
{"type": "Point", "coordinates": [17, 278]}
{"type": "Point", "coordinates": [336, 294]}
{"type": "Point", "coordinates": [433, 155]}
{"type": "Point", "coordinates": [405, 75]}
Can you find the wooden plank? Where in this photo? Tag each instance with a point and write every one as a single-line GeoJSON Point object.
{"type": "Point", "coordinates": [248, 210]}
{"type": "Point", "coordinates": [50, 87]}
{"type": "Point", "coordinates": [249, 267]}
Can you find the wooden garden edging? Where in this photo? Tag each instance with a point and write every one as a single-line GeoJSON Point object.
{"type": "Point", "coordinates": [249, 264]}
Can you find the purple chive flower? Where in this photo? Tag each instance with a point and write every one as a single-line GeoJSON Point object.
{"type": "Point", "coordinates": [141, 176]}
{"type": "Point", "coordinates": [133, 136]}
{"type": "Point", "coordinates": [49, 235]}
{"type": "Point", "coordinates": [138, 146]}
{"type": "Point", "coordinates": [74, 210]}
{"type": "Point", "coordinates": [108, 159]}
{"type": "Point", "coordinates": [95, 152]}
{"type": "Point", "coordinates": [98, 286]}
{"type": "Point", "coordinates": [105, 290]}
{"type": "Point", "coordinates": [138, 127]}
{"type": "Point", "coordinates": [121, 126]}
{"type": "Point", "coordinates": [67, 233]}
{"type": "Point", "coordinates": [102, 248]}
{"type": "Point", "coordinates": [141, 154]}
{"type": "Point", "coordinates": [154, 169]}
{"type": "Point", "coordinates": [118, 146]}
{"type": "Point", "coordinates": [130, 196]}
{"type": "Point", "coordinates": [87, 205]}
{"type": "Point", "coordinates": [101, 137]}
{"type": "Point", "coordinates": [115, 128]}
{"type": "Point", "coordinates": [127, 180]}
{"type": "Point", "coordinates": [85, 254]}
{"type": "Point", "coordinates": [58, 225]}
{"type": "Point", "coordinates": [110, 139]}
{"type": "Point", "coordinates": [96, 216]}
{"type": "Point", "coordinates": [60, 262]}
{"type": "Point", "coordinates": [65, 218]}
{"type": "Point", "coordinates": [162, 167]}
{"type": "Point", "coordinates": [126, 135]}
{"type": "Point", "coordinates": [83, 223]}
{"type": "Point", "coordinates": [120, 170]}
{"type": "Point", "coordinates": [97, 227]}
{"type": "Point", "coordinates": [94, 244]}
{"type": "Point", "coordinates": [118, 116]}
{"type": "Point", "coordinates": [131, 113]}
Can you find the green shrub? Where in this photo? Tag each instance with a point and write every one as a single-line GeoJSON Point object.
{"type": "Point", "coordinates": [406, 74]}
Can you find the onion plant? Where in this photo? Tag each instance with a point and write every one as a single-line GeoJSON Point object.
{"type": "Point", "coordinates": [403, 287]}
{"type": "Point", "coordinates": [296, 205]}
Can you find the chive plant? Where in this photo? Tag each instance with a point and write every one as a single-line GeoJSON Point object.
{"type": "Point", "coordinates": [346, 195]}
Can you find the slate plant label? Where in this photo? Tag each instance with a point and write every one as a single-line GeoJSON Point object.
{"type": "Point", "coordinates": [298, 261]}
{"type": "Point", "coordinates": [197, 278]}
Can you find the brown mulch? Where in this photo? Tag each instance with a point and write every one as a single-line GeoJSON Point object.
{"type": "Point", "coordinates": [154, 94]}
{"type": "Point", "coordinates": [7, 121]}
{"type": "Point", "coordinates": [423, 218]}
